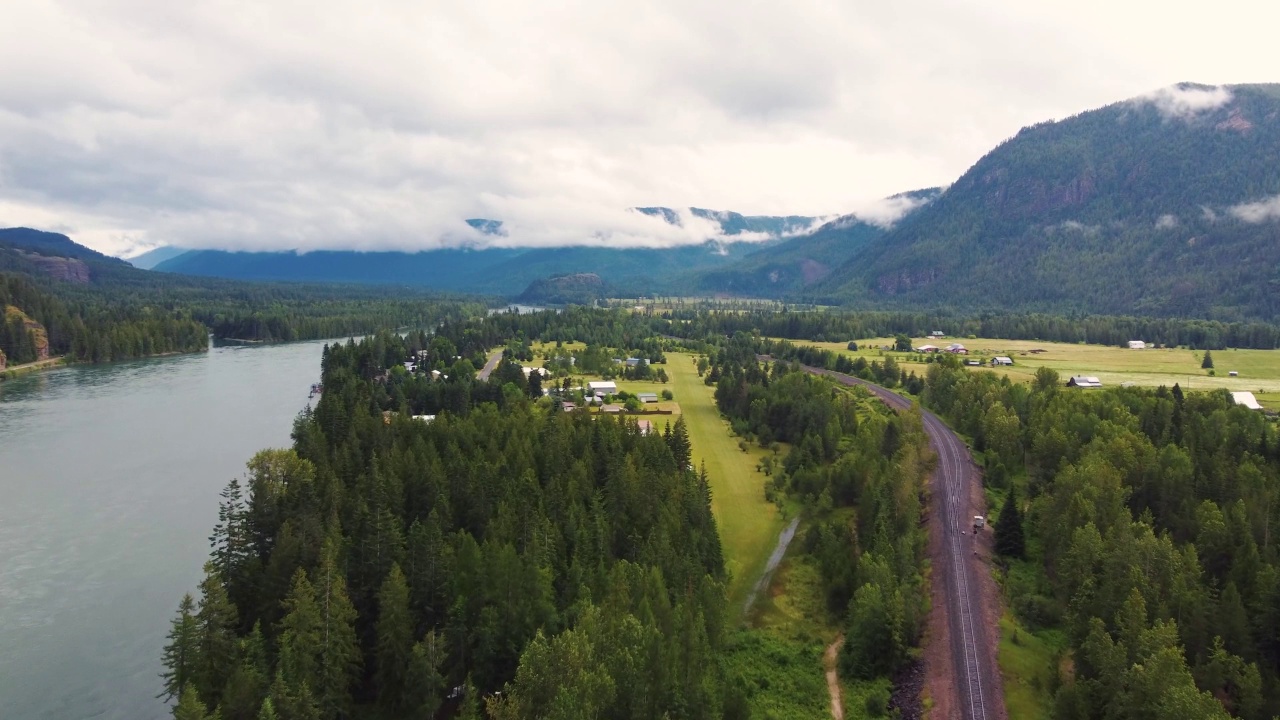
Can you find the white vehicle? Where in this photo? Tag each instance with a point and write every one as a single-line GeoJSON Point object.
{"type": "Point", "coordinates": [979, 522]}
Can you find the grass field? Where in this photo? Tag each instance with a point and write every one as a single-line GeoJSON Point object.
{"type": "Point", "coordinates": [1259, 369]}
{"type": "Point", "coordinates": [1028, 663]}
{"type": "Point", "coordinates": [749, 525]}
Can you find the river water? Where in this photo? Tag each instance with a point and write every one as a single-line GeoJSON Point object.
{"type": "Point", "coordinates": [109, 482]}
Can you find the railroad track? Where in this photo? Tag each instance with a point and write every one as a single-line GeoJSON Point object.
{"type": "Point", "coordinates": [978, 697]}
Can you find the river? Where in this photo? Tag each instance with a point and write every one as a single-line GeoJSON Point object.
{"type": "Point", "coordinates": [109, 482]}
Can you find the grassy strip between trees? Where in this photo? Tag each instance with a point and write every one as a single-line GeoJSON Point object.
{"type": "Point", "coordinates": [1029, 665]}
{"type": "Point", "coordinates": [749, 525]}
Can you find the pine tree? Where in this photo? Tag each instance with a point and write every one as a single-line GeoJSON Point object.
{"type": "Point", "coordinates": [189, 706]}
{"type": "Point", "coordinates": [1010, 541]}
{"type": "Point", "coordinates": [268, 711]}
{"type": "Point", "coordinates": [182, 653]}
{"type": "Point", "coordinates": [247, 687]}
{"type": "Point", "coordinates": [216, 621]}
{"type": "Point", "coordinates": [395, 639]}
{"type": "Point", "coordinates": [339, 648]}
{"type": "Point", "coordinates": [300, 637]}
{"type": "Point", "coordinates": [425, 685]}
{"type": "Point", "coordinates": [1207, 363]}
{"type": "Point", "coordinates": [679, 444]}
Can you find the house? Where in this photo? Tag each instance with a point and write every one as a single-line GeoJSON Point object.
{"type": "Point", "coordinates": [1001, 360]}
{"type": "Point", "coordinates": [600, 388]}
{"type": "Point", "coordinates": [634, 362]}
{"type": "Point", "coordinates": [530, 370]}
{"type": "Point", "coordinates": [409, 366]}
{"type": "Point", "coordinates": [1137, 345]}
{"type": "Point", "coordinates": [647, 397]}
{"type": "Point", "coordinates": [568, 407]}
{"type": "Point", "coordinates": [611, 408]}
{"type": "Point", "coordinates": [1084, 381]}
{"type": "Point", "coordinates": [957, 348]}
{"type": "Point", "coordinates": [927, 348]}
{"type": "Point", "coordinates": [425, 418]}
{"type": "Point", "coordinates": [435, 374]}
{"type": "Point", "coordinates": [936, 334]}
{"type": "Point", "coordinates": [645, 426]}
{"type": "Point", "coordinates": [1246, 399]}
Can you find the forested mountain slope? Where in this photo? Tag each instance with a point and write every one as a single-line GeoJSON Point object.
{"type": "Point", "coordinates": [1162, 205]}
{"type": "Point", "coordinates": [792, 267]}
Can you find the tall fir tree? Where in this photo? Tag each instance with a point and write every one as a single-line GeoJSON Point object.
{"type": "Point", "coordinates": [1010, 541]}
{"type": "Point", "coordinates": [1207, 363]}
{"type": "Point", "coordinates": [190, 707]}
{"type": "Point", "coordinates": [182, 652]}
{"type": "Point", "coordinates": [300, 637]}
{"type": "Point", "coordinates": [395, 639]}
{"type": "Point", "coordinates": [339, 648]}
{"type": "Point", "coordinates": [216, 622]}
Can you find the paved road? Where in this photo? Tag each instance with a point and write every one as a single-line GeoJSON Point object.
{"type": "Point", "coordinates": [978, 696]}
{"type": "Point", "coordinates": [489, 366]}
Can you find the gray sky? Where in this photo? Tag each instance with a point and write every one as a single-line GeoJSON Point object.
{"type": "Point", "coordinates": [383, 124]}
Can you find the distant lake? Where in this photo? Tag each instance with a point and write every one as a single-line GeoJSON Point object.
{"type": "Point", "coordinates": [109, 482]}
{"type": "Point", "coordinates": [519, 309]}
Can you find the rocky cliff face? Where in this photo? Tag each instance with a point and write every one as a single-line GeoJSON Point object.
{"type": "Point", "coordinates": [3, 360]}
{"type": "Point", "coordinates": [39, 336]}
{"type": "Point", "coordinates": [61, 268]}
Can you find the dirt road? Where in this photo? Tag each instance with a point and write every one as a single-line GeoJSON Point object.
{"type": "Point", "coordinates": [829, 659]}
{"type": "Point", "coordinates": [966, 680]}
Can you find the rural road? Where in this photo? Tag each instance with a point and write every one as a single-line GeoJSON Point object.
{"type": "Point", "coordinates": [977, 680]}
{"type": "Point", "coordinates": [489, 366]}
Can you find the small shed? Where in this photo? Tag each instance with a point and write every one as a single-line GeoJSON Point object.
{"type": "Point", "coordinates": [1084, 381]}
{"type": "Point", "coordinates": [1001, 360]}
{"type": "Point", "coordinates": [1246, 399]}
{"type": "Point", "coordinates": [647, 397]}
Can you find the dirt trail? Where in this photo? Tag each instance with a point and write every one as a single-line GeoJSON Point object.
{"type": "Point", "coordinates": [833, 680]}
{"type": "Point", "coordinates": [784, 539]}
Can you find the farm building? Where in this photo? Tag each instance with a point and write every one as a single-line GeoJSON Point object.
{"type": "Point", "coordinates": [647, 397]}
{"type": "Point", "coordinates": [601, 388]}
{"type": "Point", "coordinates": [957, 348]}
{"type": "Point", "coordinates": [1246, 399]}
{"type": "Point", "coordinates": [633, 362]}
{"type": "Point", "coordinates": [1084, 381]}
{"type": "Point", "coordinates": [1137, 345]}
{"type": "Point", "coordinates": [611, 408]}
{"type": "Point", "coordinates": [927, 348]}
{"type": "Point", "coordinates": [530, 370]}
{"type": "Point", "coordinates": [936, 334]}
{"type": "Point", "coordinates": [1001, 360]}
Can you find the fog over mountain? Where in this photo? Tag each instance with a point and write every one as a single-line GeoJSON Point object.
{"type": "Point", "coordinates": [384, 125]}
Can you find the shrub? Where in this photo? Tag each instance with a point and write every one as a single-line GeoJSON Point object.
{"type": "Point", "coordinates": [878, 702]}
{"type": "Point", "coordinates": [668, 395]}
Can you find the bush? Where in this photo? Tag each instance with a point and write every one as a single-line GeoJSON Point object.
{"type": "Point", "coordinates": [668, 395]}
{"type": "Point", "coordinates": [1036, 611]}
{"type": "Point", "coordinates": [877, 704]}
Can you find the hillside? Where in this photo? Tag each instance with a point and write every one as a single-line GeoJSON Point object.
{"type": "Point", "coordinates": [1162, 205]}
{"type": "Point", "coordinates": [501, 270]}
{"type": "Point", "coordinates": [578, 289]}
{"type": "Point", "coordinates": [794, 266]}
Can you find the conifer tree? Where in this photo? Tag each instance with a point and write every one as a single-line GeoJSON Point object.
{"type": "Point", "coordinates": [300, 637]}
{"type": "Point", "coordinates": [182, 653]}
{"type": "Point", "coordinates": [216, 621]}
{"type": "Point", "coordinates": [1207, 363]}
{"type": "Point", "coordinates": [268, 711]}
{"type": "Point", "coordinates": [189, 706]}
{"type": "Point", "coordinates": [247, 687]}
{"type": "Point", "coordinates": [425, 685]}
{"type": "Point", "coordinates": [1010, 541]}
{"type": "Point", "coordinates": [339, 648]}
{"type": "Point", "coordinates": [395, 639]}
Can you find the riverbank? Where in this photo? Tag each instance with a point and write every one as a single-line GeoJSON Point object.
{"type": "Point", "coordinates": [16, 370]}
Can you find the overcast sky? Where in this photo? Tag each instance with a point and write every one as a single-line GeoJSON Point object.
{"type": "Point", "coordinates": [384, 124]}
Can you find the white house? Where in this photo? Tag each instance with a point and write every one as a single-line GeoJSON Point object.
{"type": "Point", "coordinates": [530, 370]}
{"type": "Point", "coordinates": [1084, 381]}
{"type": "Point", "coordinates": [1137, 345]}
{"type": "Point", "coordinates": [1246, 399]}
{"type": "Point", "coordinates": [1001, 360]}
{"type": "Point", "coordinates": [601, 388]}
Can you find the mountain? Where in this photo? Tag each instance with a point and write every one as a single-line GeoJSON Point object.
{"type": "Point", "coordinates": [36, 252]}
{"type": "Point", "coordinates": [151, 258]}
{"type": "Point", "coordinates": [578, 289]}
{"type": "Point", "coordinates": [1167, 204]}
{"type": "Point", "coordinates": [503, 270]}
{"type": "Point", "coordinates": [791, 267]}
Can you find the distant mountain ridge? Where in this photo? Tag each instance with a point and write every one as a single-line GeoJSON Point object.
{"type": "Point", "coordinates": [1161, 205]}
{"type": "Point", "coordinates": [505, 271]}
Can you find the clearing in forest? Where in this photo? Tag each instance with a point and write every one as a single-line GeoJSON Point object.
{"type": "Point", "coordinates": [748, 524]}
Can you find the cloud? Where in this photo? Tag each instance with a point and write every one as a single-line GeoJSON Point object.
{"type": "Point", "coordinates": [1166, 222]}
{"type": "Point", "coordinates": [1256, 212]}
{"type": "Point", "coordinates": [385, 124]}
{"type": "Point", "coordinates": [1183, 102]}
{"type": "Point", "coordinates": [887, 211]}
